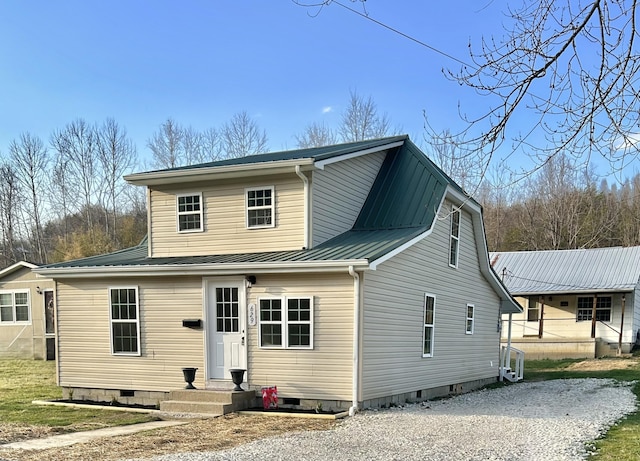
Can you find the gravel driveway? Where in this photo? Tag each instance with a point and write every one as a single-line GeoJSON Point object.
{"type": "Point", "coordinates": [549, 420]}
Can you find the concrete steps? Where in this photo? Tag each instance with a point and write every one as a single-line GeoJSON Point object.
{"type": "Point", "coordinates": [207, 402]}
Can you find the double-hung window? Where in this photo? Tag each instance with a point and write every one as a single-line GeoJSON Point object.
{"type": "Point", "coordinates": [260, 206]}
{"type": "Point", "coordinates": [454, 239]}
{"type": "Point", "coordinates": [286, 322]}
{"type": "Point", "coordinates": [470, 321]}
{"type": "Point", "coordinates": [429, 325]}
{"type": "Point", "coordinates": [603, 308]}
{"type": "Point", "coordinates": [189, 208]}
{"type": "Point", "coordinates": [124, 316]}
{"type": "Point", "coordinates": [14, 307]}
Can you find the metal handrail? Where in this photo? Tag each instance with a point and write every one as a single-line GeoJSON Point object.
{"type": "Point", "coordinates": [506, 353]}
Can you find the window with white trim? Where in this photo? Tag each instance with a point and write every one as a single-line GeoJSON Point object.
{"type": "Point", "coordinates": [260, 206]}
{"type": "Point", "coordinates": [454, 239]}
{"type": "Point", "coordinates": [286, 323]}
{"type": "Point", "coordinates": [470, 321]}
{"type": "Point", "coordinates": [124, 316]}
{"type": "Point", "coordinates": [603, 308]}
{"type": "Point", "coordinates": [14, 307]}
{"type": "Point", "coordinates": [429, 325]}
{"type": "Point", "coordinates": [189, 207]}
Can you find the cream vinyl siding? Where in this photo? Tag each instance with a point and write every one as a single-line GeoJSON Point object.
{"type": "Point", "coordinates": [84, 353]}
{"type": "Point", "coordinates": [26, 340]}
{"type": "Point", "coordinates": [560, 321]}
{"type": "Point", "coordinates": [394, 316]}
{"type": "Point", "coordinates": [324, 372]}
{"type": "Point", "coordinates": [338, 193]}
{"type": "Point", "coordinates": [225, 229]}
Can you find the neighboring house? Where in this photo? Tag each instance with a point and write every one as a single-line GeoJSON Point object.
{"type": "Point", "coordinates": [27, 319]}
{"type": "Point", "coordinates": [352, 275]}
{"type": "Point", "coordinates": [577, 303]}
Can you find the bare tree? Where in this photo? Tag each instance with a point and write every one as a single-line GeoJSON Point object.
{"type": "Point", "coordinates": [241, 136]}
{"type": "Point", "coordinates": [210, 145]}
{"type": "Point", "coordinates": [30, 159]}
{"type": "Point", "coordinates": [9, 201]}
{"type": "Point", "coordinates": [117, 155]}
{"type": "Point", "coordinates": [568, 72]}
{"type": "Point", "coordinates": [454, 158]}
{"type": "Point", "coordinates": [316, 135]}
{"type": "Point", "coordinates": [76, 148]}
{"type": "Point", "coordinates": [166, 145]}
{"type": "Point", "coordinates": [361, 121]}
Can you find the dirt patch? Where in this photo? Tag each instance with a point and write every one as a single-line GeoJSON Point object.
{"type": "Point", "coordinates": [605, 364]}
{"type": "Point", "coordinates": [200, 435]}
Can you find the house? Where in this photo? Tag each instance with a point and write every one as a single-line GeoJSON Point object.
{"type": "Point", "coordinates": [576, 303]}
{"type": "Point", "coordinates": [349, 275]}
{"type": "Point", "coordinates": [27, 329]}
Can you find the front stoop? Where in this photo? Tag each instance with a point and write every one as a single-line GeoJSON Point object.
{"type": "Point", "coordinates": [207, 402]}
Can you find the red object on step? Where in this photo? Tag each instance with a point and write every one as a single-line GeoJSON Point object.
{"type": "Point", "coordinates": [270, 397]}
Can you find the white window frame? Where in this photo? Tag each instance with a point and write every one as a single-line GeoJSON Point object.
{"type": "Point", "coordinates": [586, 314]}
{"type": "Point", "coordinates": [270, 322]}
{"type": "Point", "coordinates": [285, 323]}
{"type": "Point", "coordinates": [271, 207]}
{"type": "Point", "coordinates": [454, 237]}
{"type": "Point", "coordinates": [14, 320]}
{"type": "Point", "coordinates": [113, 321]}
{"type": "Point", "coordinates": [470, 322]}
{"type": "Point", "coordinates": [431, 326]}
{"type": "Point", "coordinates": [179, 213]}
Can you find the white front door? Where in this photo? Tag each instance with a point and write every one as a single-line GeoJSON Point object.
{"type": "Point", "coordinates": [226, 306]}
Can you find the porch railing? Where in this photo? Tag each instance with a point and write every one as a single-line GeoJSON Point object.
{"type": "Point", "coordinates": [510, 356]}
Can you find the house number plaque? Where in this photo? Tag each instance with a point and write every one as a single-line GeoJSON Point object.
{"type": "Point", "coordinates": [252, 314]}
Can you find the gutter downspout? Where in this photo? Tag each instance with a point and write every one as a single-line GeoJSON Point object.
{"type": "Point", "coordinates": [507, 353]}
{"type": "Point", "coordinates": [356, 340]}
{"type": "Point", "coordinates": [305, 182]}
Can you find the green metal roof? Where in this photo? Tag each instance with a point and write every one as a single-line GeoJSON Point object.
{"type": "Point", "coordinates": [401, 205]}
{"type": "Point", "coordinates": [315, 153]}
{"type": "Point", "coordinates": [406, 193]}
{"type": "Point", "coordinates": [352, 245]}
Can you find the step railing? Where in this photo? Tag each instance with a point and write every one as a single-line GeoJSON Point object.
{"type": "Point", "coordinates": [509, 355]}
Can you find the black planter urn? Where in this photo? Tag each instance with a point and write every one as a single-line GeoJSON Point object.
{"type": "Point", "coordinates": [237, 376]}
{"type": "Point", "coordinates": [189, 377]}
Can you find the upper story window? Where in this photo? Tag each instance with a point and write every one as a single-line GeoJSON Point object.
{"type": "Point", "coordinates": [260, 207]}
{"type": "Point", "coordinates": [470, 319]}
{"type": "Point", "coordinates": [603, 308]}
{"type": "Point", "coordinates": [286, 323]}
{"type": "Point", "coordinates": [454, 240]}
{"type": "Point", "coordinates": [14, 307]}
{"type": "Point", "coordinates": [124, 315]}
{"type": "Point", "coordinates": [429, 325]}
{"type": "Point", "coordinates": [189, 208]}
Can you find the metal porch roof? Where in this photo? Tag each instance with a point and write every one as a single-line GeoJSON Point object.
{"type": "Point", "coordinates": [352, 245]}
{"type": "Point", "coordinates": [568, 271]}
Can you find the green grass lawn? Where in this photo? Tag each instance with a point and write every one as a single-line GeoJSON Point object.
{"type": "Point", "coordinates": [22, 381]}
{"type": "Point", "coordinates": [622, 442]}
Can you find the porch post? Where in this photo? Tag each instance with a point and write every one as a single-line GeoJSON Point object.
{"type": "Point", "coordinates": [621, 325]}
{"type": "Point", "coordinates": [593, 315]}
{"type": "Point", "coordinates": [541, 321]}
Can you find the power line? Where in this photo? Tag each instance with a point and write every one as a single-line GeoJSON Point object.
{"type": "Point", "coordinates": [402, 34]}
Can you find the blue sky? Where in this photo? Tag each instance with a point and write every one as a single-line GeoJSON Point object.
{"type": "Point", "coordinates": [200, 62]}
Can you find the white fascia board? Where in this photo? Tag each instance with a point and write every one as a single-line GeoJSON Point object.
{"type": "Point", "coordinates": [204, 269]}
{"type": "Point", "coordinates": [581, 291]}
{"type": "Point", "coordinates": [228, 171]}
{"type": "Point", "coordinates": [339, 158]}
{"type": "Point", "coordinates": [483, 253]}
{"type": "Point", "coordinates": [14, 267]}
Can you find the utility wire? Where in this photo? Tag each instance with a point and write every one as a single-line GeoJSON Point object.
{"type": "Point", "coordinates": [419, 42]}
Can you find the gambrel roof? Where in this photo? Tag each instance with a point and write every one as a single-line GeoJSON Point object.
{"type": "Point", "coordinates": [400, 209]}
{"type": "Point", "coordinates": [614, 269]}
